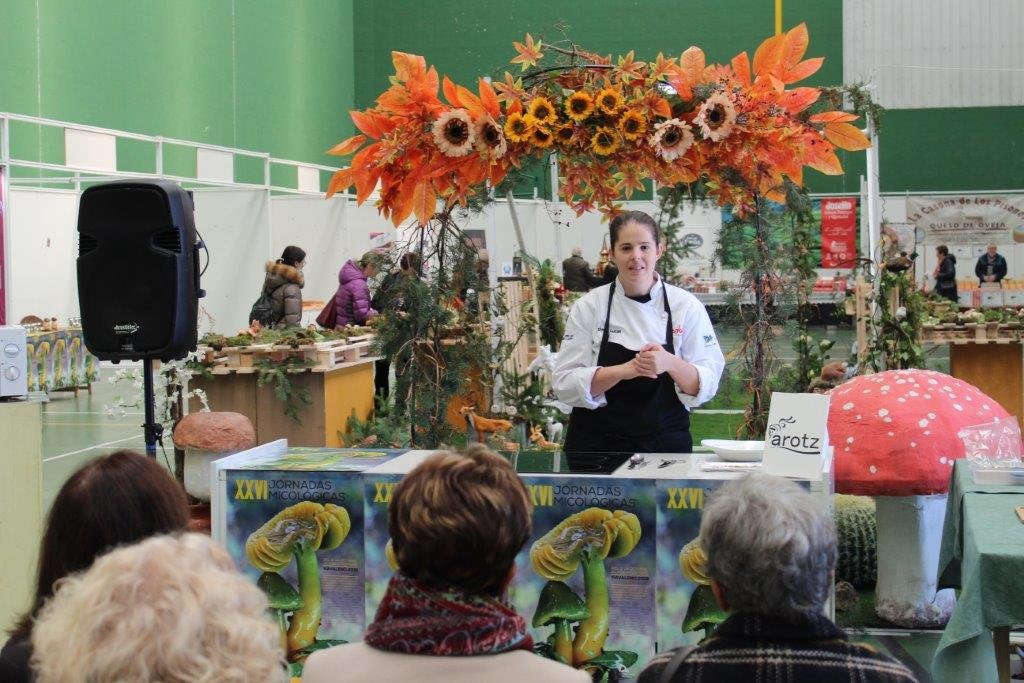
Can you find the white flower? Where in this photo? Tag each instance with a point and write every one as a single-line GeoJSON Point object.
{"type": "Point", "coordinates": [716, 117]}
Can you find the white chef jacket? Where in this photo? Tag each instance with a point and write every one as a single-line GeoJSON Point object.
{"type": "Point", "coordinates": [633, 324]}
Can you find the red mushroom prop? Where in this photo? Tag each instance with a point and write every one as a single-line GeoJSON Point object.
{"type": "Point", "coordinates": [895, 438]}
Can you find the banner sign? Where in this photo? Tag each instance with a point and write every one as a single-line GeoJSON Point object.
{"type": "Point", "coordinates": [968, 219]}
{"type": "Point", "coordinates": [838, 232]}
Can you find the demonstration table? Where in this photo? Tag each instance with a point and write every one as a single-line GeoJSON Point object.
{"type": "Point", "coordinates": [982, 554]}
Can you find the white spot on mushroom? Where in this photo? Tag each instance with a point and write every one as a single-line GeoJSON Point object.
{"type": "Point", "coordinates": [913, 444]}
{"type": "Point", "coordinates": [901, 381]}
{"type": "Point", "coordinates": [886, 419]}
{"type": "Point", "coordinates": [943, 460]}
{"type": "Point", "coordinates": [984, 406]}
{"type": "Point", "coordinates": [885, 388]}
{"type": "Point", "coordinates": [866, 391]}
{"type": "Point", "coordinates": [847, 449]}
{"type": "Point", "coordinates": [847, 406]}
{"type": "Point", "coordinates": [883, 412]}
{"type": "Point", "coordinates": [912, 393]}
{"type": "Point", "coordinates": [872, 469]}
{"type": "Point", "coordinates": [922, 422]}
{"type": "Point", "coordinates": [892, 433]}
{"type": "Point", "coordinates": [957, 406]}
{"type": "Point", "coordinates": [857, 417]}
{"type": "Point", "coordinates": [932, 381]}
{"type": "Point", "coordinates": [849, 439]}
{"type": "Point", "coordinates": [928, 396]}
{"type": "Point", "coordinates": [968, 398]}
{"type": "Point", "coordinates": [927, 432]}
{"type": "Point", "coordinates": [931, 416]}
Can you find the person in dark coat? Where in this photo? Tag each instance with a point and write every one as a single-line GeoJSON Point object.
{"type": "Point", "coordinates": [284, 282]}
{"type": "Point", "coordinates": [113, 500]}
{"type": "Point", "coordinates": [390, 296]}
{"type": "Point", "coordinates": [352, 300]}
{"type": "Point", "coordinates": [576, 273]}
{"type": "Point", "coordinates": [771, 553]}
{"type": "Point", "coordinates": [945, 273]}
{"type": "Point", "coordinates": [991, 266]}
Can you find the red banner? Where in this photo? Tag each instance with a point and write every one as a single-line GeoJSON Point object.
{"type": "Point", "coordinates": [838, 232]}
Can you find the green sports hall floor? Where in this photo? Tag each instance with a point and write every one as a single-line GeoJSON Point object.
{"type": "Point", "coordinates": [76, 429]}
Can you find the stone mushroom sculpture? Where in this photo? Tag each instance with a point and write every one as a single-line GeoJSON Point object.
{"type": "Point", "coordinates": [206, 437]}
{"type": "Point", "coordinates": [895, 438]}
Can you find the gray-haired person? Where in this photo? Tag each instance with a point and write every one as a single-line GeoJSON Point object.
{"type": "Point", "coordinates": [771, 549]}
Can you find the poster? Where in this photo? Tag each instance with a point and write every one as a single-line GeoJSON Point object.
{"type": "Point", "coordinates": [578, 504]}
{"type": "Point", "coordinates": [968, 219]}
{"type": "Point", "coordinates": [303, 490]}
{"type": "Point", "coordinates": [838, 232]}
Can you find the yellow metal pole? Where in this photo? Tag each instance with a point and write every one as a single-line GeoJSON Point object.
{"type": "Point", "coordinates": [778, 17]}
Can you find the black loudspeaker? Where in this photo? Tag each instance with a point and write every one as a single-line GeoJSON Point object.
{"type": "Point", "coordinates": [138, 276]}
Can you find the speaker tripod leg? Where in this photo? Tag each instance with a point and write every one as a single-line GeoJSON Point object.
{"type": "Point", "coordinates": [151, 429]}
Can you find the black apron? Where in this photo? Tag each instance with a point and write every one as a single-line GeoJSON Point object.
{"type": "Point", "coordinates": [642, 415]}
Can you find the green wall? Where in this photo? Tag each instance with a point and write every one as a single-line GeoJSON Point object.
{"type": "Point", "coordinates": [265, 75]}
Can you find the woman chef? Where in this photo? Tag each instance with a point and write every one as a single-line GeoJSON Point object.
{"type": "Point", "coordinates": [638, 353]}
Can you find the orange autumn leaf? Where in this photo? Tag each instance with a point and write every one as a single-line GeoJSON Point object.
{"type": "Point", "coordinates": [692, 62]}
{"type": "Point", "coordinates": [470, 101]}
{"type": "Point", "coordinates": [662, 108]}
{"type": "Point", "coordinates": [827, 162]}
{"type": "Point", "coordinates": [488, 99]}
{"type": "Point", "coordinates": [372, 124]}
{"type": "Point", "coordinates": [803, 70]}
{"type": "Point", "coordinates": [402, 205]}
{"type": "Point", "coordinates": [628, 66]}
{"type": "Point", "coordinates": [768, 55]}
{"type": "Point", "coordinates": [408, 66]}
{"type": "Point", "coordinates": [832, 116]}
{"type": "Point", "coordinates": [796, 100]}
{"type": "Point", "coordinates": [662, 68]}
{"type": "Point", "coordinates": [340, 181]}
{"type": "Point", "coordinates": [741, 67]}
{"type": "Point", "coordinates": [451, 92]}
{"type": "Point", "coordinates": [424, 201]}
{"type": "Point", "coordinates": [794, 46]}
{"type": "Point", "coordinates": [347, 146]}
{"type": "Point", "coordinates": [846, 136]}
{"type": "Point", "coordinates": [529, 54]}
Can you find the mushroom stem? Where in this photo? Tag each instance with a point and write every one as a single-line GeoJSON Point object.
{"type": "Point", "coordinates": [306, 620]}
{"type": "Point", "coordinates": [592, 632]}
{"type": "Point", "coordinates": [909, 534]}
{"type": "Point", "coordinates": [563, 640]}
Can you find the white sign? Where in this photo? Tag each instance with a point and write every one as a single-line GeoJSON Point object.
{"type": "Point", "coordinates": [506, 269]}
{"type": "Point", "coordinates": [967, 219]}
{"type": "Point", "coordinates": [796, 439]}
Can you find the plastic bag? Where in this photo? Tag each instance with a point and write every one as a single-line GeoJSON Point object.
{"type": "Point", "coordinates": [993, 444]}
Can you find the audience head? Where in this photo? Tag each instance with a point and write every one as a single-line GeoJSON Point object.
{"type": "Point", "coordinates": [577, 251]}
{"type": "Point", "coordinates": [942, 250]}
{"type": "Point", "coordinates": [771, 546]}
{"type": "Point", "coordinates": [113, 500]}
{"type": "Point", "coordinates": [369, 263]}
{"type": "Point", "coordinates": [459, 519]}
{"type": "Point", "coordinates": [293, 256]}
{"type": "Point", "coordinates": [409, 261]}
{"type": "Point", "coordinates": [991, 248]}
{"type": "Point", "coordinates": [171, 609]}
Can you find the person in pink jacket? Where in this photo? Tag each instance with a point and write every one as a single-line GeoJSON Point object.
{"type": "Point", "coordinates": [352, 300]}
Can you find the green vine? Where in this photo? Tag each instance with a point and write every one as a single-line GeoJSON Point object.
{"type": "Point", "coordinates": [277, 372]}
{"type": "Point", "coordinates": [859, 99]}
{"type": "Point", "coordinates": [895, 332]}
{"type": "Point", "coordinates": [670, 222]}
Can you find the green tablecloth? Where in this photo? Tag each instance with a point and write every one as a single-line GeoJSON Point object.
{"type": "Point", "coordinates": [982, 554]}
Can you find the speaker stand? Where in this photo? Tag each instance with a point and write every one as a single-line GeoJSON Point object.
{"type": "Point", "coordinates": [152, 429]}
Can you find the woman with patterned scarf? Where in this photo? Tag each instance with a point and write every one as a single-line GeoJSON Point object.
{"type": "Point", "coordinates": [457, 522]}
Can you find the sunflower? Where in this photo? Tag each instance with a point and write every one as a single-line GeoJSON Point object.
{"type": "Point", "coordinates": [542, 137]}
{"type": "Point", "coordinates": [453, 133]}
{"type": "Point", "coordinates": [633, 124]}
{"type": "Point", "coordinates": [604, 141]}
{"type": "Point", "coordinates": [716, 117]}
{"type": "Point", "coordinates": [671, 139]}
{"type": "Point", "coordinates": [543, 111]}
{"type": "Point", "coordinates": [609, 101]}
{"type": "Point", "coordinates": [489, 138]}
{"type": "Point", "coordinates": [564, 133]}
{"type": "Point", "coordinates": [518, 127]}
{"type": "Point", "coordinates": [579, 105]}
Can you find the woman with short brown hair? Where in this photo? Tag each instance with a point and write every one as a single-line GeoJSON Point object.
{"type": "Point", "coordinates": [457, 522]}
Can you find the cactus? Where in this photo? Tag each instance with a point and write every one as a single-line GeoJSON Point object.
{"type": "Point", "coordinates": [855, 534]}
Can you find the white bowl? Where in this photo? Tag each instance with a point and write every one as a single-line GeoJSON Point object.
{"type": "Point", "coordinates": [735, 451]}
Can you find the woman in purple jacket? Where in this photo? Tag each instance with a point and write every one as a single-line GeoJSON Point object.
{"type": "Point", "coordinates": [352, 300]}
